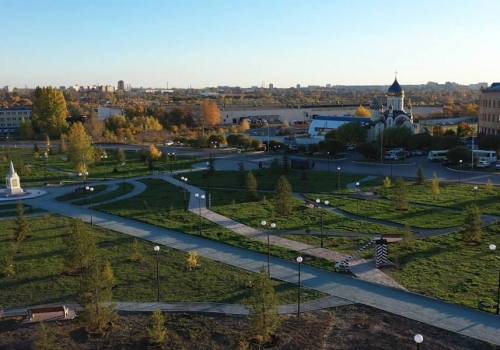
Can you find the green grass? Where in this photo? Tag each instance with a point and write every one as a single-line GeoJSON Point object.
{"type": "Point", "coordinates": [163, 205]}
{"type": "Point", "coordinates": [123, 189]}
{"type": "Point", "coordinates": [41, 278]}
{"type": "Point", "coordinates": [77, 195]}
{"type": "Point", "coordinates": [445, 268]}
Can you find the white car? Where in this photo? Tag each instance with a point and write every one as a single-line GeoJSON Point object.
{"type": "Point", "coordinates": [351, 148]}
{"type": "Point", "coordinates": [169, 143]}
{"type": "Point", "coordinates": [483, 164]}
{"type": "Point", "coordinates": [497, 166]}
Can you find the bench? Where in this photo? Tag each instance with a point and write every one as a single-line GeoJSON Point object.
{"type": "Point", "coordinates": [49, 313]}
{"type": "Point", "coordinates": [311, 204]}
{"type": "Point", "coordinates": [392, 237]}
{"type": "Point", "coordinates": [53, 183]}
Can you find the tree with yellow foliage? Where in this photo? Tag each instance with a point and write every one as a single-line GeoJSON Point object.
{"type": "Point", "coordinates": [154, 153]}
{"type": "Point", "coordinates": [362, 112]}
{"type": "Point", "coordinates": [244, 126]}
{"type": "Point", "coordinates": [210, 113]}
{"type": "Point", "coordinates": [192, 260]}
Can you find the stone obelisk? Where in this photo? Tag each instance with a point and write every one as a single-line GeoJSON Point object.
{"type": "Point", "coordinates": [13, 183]}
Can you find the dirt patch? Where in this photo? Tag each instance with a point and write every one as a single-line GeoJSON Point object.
{"type": "Point", "coordinates": [353, 327]}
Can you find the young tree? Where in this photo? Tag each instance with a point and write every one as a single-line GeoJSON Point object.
{"type": "Point", "coordinates": [489, 187]}
{"type": "Point", "coordinates": [63, 148]}
{"type": "Point", "coordinates": [154, 153]}
{"type": "Point", "coordinates": [263, 307]}
{"type": "Point", "coordinates": [400, 195]}
{"type": "Point", "coordinates": [435, 185]}
{"type": "Point", "coordinates": [192, 260]}
{"type": "Point", "coordinates": [8, 265]}
{"type": "Point", "coordinates": [471, 228]}
{"type": "Point", "coordinates": [244, 125]}
{"type": "Point", "coordinates": [286, 163]}
{"type": "Point", "coordinates": [283, 199]}
{"type": "Point", "coordinates": [80, 152]}
{"type": "Point", "coordinates": [251, 187]}
{"type": "Point", "coordinates": [26, 132]}
{"type": "Point", "coordinates": [45, 339]}
{"type": "Point", "coordinates": [135, 251]}
{"type": "Point", "coordinates": [80, 246]}
{"type": "Point", "coordinates": [21, 226]}
{"type": "Point", "coordinates": [408, 241]}
{"type": "Point", "coordinates": [210, 113]}
{"type": "Point", "coordinates": [120, 154]}
{"type": "Point", "coordinates": [49, 111]}
{"type": "Point", "coordinates": [420, 176]}
{"type": "Point", "coordinates": [157, 332]}
{"type": "Point", "coordinates": [95, 290]}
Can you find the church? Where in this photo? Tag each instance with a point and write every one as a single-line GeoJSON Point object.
{"type": "Point", "coordinates": [395, 115]}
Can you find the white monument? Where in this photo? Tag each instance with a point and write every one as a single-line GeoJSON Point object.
{"type": "Point", "coordinates": [13, 183]}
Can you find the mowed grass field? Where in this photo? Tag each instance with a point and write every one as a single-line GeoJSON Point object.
{"type": "Point", "coordinates": [41, 269]}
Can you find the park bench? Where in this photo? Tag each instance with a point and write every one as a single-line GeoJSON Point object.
{"type": "Point", "coordinates": [49, 313]}
{"type": "Point", "coordinates": [53, 183]}
{"type": "Point", "coordinates": [392, 237]}
{"type": "Point", "coordinates": [311, 204]}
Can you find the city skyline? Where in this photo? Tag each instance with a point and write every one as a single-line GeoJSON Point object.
{"type": "Point", "coordinates": [249, 43]}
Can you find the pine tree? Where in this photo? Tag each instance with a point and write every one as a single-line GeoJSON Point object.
{"type": "Point", "coordinates": [283, 200]}
{"type": "Point", "coordinates": [400, 195]}
{"type": "Point", "coordinates": [81, 248]}
{"type": "Point", "coordinates": [263, 307]}
{"type": "Point", "coordinates": [420, 176]}
{"type": "Point", "coordinates": [135, 250]}
{"type": "Point", "coordinates": [286, 163]}
{"type": "Point", "coordinates": [471, 228]}
{"type": "Point", "coordinates": [251, 187]}
{"type": "Point", "coordinates": [21, 225]}
{"type": "Point", "coordinates": [45, 339]}
{"type": "Point", "coordinates": [157, 332]}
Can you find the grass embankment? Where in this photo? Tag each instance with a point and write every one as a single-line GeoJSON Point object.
{"type": "Point", "coordinates": [40, 266]}
{"type": "Point", "coordinates": [163, 205]}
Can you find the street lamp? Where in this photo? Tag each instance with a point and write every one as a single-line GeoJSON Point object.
{"type": "Point", "coordinates": [90, 189]}
{"type": "Point", "coordinates": [200, 198]}
{"type": "Point", "coordinates": [338, 178]}
{"type": "Point", "coordinates": [46, 156]}
{"type": "Point", "coordinates": [84, 176]}
{"type": "Point", "coordinates": [318, 201]}
{"type": "Point", "coordinates": [209, 170]}
{"type": "Point", "coordinates": [328, 161]}
{"type": "Point", "coordinates": [123, 171]}
{"type": "Point", "coordinates": [170, 155]}
{"type": "Point", "coordinates": [273, 225]}
{"type": "Point", "coordinates": [184, 180]}
{"type": "Point", "coordinates": [418, 339]}
{"type": "Point", "coordinates": [299, 262]}
{"type": "Point", "coordinates": [357, 197]}
{"type": "Point", "coordinates": [475, 190]}
{"type": "Point", "coordinates": [492, 248]}
{"type": "Point", "coordinates": [157, 249]}
{"type": "Point", "coordinates": [103, 158]}
{"type": "Point", "coordinates": [459, 170]}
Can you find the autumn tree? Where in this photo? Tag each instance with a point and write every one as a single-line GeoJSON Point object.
{"type": "Point", "coordinates": [283, 199]}
{"type": "Point", "coordinates": [45, 338]}
{"type": "Point", "coordinates": [120, 154]}
{"type": "Point", "coordinates": [80, 152]}
{"type": "Point", "coordinates": [210, 113]}
{"type": "Point", "coordinates": [400, 195]}
{"type": "Point", "coordinates": [157, 332]}
{"type": "Point", "coordinates": [94, 127]}
{"type": "Point", "coordinates": [49, 111]}
{"type": "Point", "coordinates": [250, 187]}
{"type": "Point", "coordinates": [94, 291]}
{"type": "Point", "coordinates": [192, 260]}
{"type": "Point", "coordinates": [63, 147]}
{"type": "Point", "coordinates": [435, 185]}
{"type": "Point", "coordinates": [244, 125]}
{"type": "Point", "coordinates": [21, 227]}
{"type": "Point", "coordinates": [263, 307]}
{"type": "Point", "coordinates": [471, 228]}
{"type": "Point", "coordinates": [362, 112]}
{"type": "Point", "coordinates": [81, 247]}
{"type": "Point", "coordinates": [154, 153]}
{"type": "Point", "coordinates": [26, 132]}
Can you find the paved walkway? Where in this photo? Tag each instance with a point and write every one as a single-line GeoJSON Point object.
{"type": "Point", "coordinates": [455, 318]}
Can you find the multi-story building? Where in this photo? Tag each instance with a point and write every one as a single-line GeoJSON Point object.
{"type": "Point", "coordinates": [121, 85]}
{"type": "Point", "coordinates": [489, 110]}
{"type": "Point", "coordinates": [10, 119]}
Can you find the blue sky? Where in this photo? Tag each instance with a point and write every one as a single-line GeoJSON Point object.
{"type": "Point", "coordinates": [202, 43]}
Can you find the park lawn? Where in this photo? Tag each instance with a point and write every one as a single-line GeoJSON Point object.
{"type": "Point", "coordinates": [78, 195]}
{"type": "Point", "coordinates": [161, 204]}
{"type": "Point", "coordinates": [416, 216]}
{"type": "Point", "coordinates": [122, 189]}
{"type": "Point", "coordinates": [314, 181]}
{"type": "Point", "coordinates": [233, 204]}
{"type": "Point", "coordinates": [41, 278]}
{"type": "Point", "coordinates": [443, 267]}
{"type": "Point", "coordinates": [347, 245]}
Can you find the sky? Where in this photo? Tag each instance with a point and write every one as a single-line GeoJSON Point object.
{"type": "Point", "coordinates": [205, 43]}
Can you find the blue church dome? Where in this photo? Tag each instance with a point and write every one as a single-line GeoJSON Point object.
{"type": "Point", "coordinates": [375, 104]}
{"type": "Point", "coordinates": [395, 89]}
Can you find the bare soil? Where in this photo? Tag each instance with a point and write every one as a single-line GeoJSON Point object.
{"type": "Point", "coordinates": [354, 327]}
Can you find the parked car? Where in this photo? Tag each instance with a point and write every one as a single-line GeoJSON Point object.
{"type": "Point", "coordinates": [446, 162]}
{"type": "Point", "coordinates": [497, 166]}
{"type": "Point", "coordinates": [168, 143]}
{"type": "Point", "coordinates": [390, 156]}
{"type": "Point", "coordinates": [417, 153]}
{"type": "Point", "coordinates": [351, 148]}
{"type": "Point", "coordinates": [483, 164]}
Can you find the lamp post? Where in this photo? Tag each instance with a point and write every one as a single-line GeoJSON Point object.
{"type": "Point", "coordinates": [84, 176]}
{"type": "Point", "coordinates": [123, 172]}
{"type": "Point", "coordinates": [418, 339]}
{"type": "Point", "coordinates": [328, 161]}
{"type": "Point", "coordinates": [170, 155]}
{"type": "Point", "coordinates": [268, 136]}
{"type": "Point", "coordinates": [90, 189]}
{"type": "Point", "coordinates": [318, 201]}
{"type": "Point", "coordinates": [209, 170]}
{"type": "Point", "coordinates": [184, 180]}
{"type": "Point", "coordinates": [459, 171]}
{"type": "Point", "coordinates": [200, 198]}
{"type": "Point", "coordinates": [475, 190]}
{"type": "Point", "coordinates": [157, 249]}
{"type": "Point", "coordinates": [103, 158]}
{"type": "Point", "coordinates": [46, 155]}
{"type": "Point", "coordinates": [492, 248]}
{"type": "Point", "coordinates": [338, 178]}
{"type": "Point", "coordinates": [299, 262]}
{"type": "Point", "coordinates": [357, 197]}
{"type": "Point", "coordinates": [273, 225]}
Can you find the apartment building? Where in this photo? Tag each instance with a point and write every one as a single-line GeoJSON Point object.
{"type": "Point", "coordinates": [10, 119]}
{"type": "Point", "coordinates": [489, 110]}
